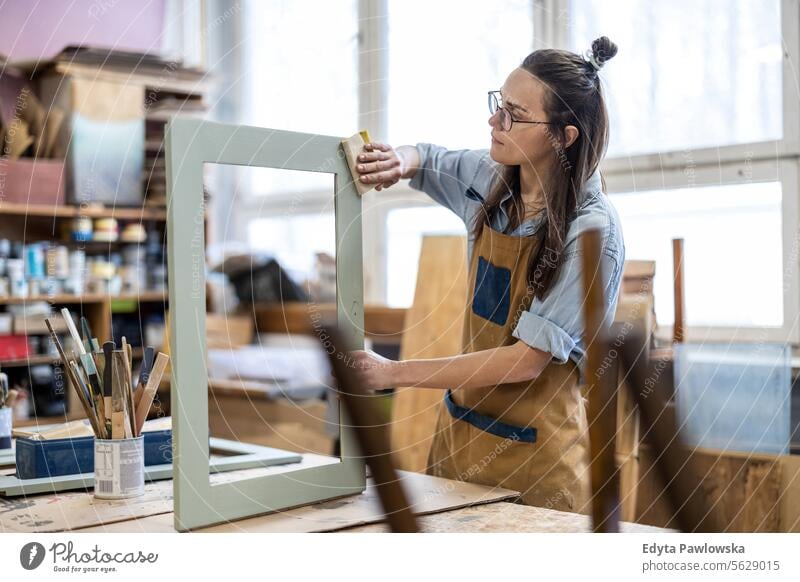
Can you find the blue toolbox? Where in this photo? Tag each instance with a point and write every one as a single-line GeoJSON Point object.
{"type": "Point", "coordinates": [70, 456]}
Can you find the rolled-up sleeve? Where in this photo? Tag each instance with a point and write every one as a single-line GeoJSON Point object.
{"type": "Point", "coordinates": [445, 175]}
{"type": "Point", "coordinates": [555, 323]}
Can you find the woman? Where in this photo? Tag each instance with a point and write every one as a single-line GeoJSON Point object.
{"type": "Point", "coordinates": [514, 415]}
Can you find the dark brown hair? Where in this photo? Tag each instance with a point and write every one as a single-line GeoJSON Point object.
{"type": "Point", "coordinates": [574, 97]}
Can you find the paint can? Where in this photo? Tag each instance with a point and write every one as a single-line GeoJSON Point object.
{"type": "Point", "coordinates": [81, 229]}
{"type": "Point", "coordinates": [74, 283]}
{"type": "Point", "coordinates": [34, 261]}
{"type": "Point", "coordinates": [118, 468]}
{"type": "Point", "coordinates": [106, 230]}
{"type": "Point", "coordinates": [58, 262]}
{"type": "Point", "coordinates": [16, 277]}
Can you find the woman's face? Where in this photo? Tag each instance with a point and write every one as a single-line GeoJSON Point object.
{"type": "Point", "coordinates": [525, 143]}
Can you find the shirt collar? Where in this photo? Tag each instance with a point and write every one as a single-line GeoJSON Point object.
{"type": "Point", "coordinates": [530, 226]}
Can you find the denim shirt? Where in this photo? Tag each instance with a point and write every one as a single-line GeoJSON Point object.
{"type": "Point", "coordinates": [459, 180]}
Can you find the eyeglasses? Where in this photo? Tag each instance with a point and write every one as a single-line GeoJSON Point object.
{"type": "Point", "coordinates": [506, 119]}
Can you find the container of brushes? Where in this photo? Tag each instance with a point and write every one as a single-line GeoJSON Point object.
{"type": "Point", "coordinates": [119, 468]}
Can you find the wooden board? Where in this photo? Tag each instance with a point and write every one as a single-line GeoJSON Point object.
{"type": "Point", "coordinates": [428, 495]}
{"type": "Point", "coordinates": [747, 490]}
{"type": "Point", "coordinates": [790, 493]}
{"type": "Point", "coordinates": [507, 517]}
{"type": "Point", "coordinates": [433, 328]}
{"type": "Point", "coordinates": [382, 323]}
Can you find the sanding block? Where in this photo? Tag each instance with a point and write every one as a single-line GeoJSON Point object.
{"type": "Point", "coordinates": [353, 146]}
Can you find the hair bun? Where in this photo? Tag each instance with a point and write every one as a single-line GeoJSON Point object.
{"type": "Point", "coordinates": [602, 50]}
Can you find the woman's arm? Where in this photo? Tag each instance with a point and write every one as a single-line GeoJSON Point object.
{"type": "Point", "coordinates": [444, 175]}
{"type": "Point", "coordinates": [517, 362]}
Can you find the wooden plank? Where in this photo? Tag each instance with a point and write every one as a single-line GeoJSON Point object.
{"type": "Point", "coordinates": [504, 517]}
{"type": "Point", "coordinates": [91, 211]}
{"type": "Point", "coordinates": [428, 495]}
{"type": "Point", "coordinates": [381, 322]}
{"type": "Point", "coordinates": [88, 298]}
{"type": "Point", "coordinates": [433, 328]}
{"type": "Point", "coordinates": [228, 331]}
{"type": "Point", "coordinates": [679, 324]}
{"type": "Point", "coordinates": [790, 493]}
{"type": "Point", "coordinates": [639, 269]}
{"type": "Point", "coordinates": [745, 490]}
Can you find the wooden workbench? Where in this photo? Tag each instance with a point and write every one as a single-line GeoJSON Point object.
{"type": "Point", "coordinates": [444, 505]}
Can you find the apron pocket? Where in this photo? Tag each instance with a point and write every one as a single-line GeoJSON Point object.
{"type": "Point", "coordinates": [488, 424]}
{"type": "Point", "coordinates": [492, 296]}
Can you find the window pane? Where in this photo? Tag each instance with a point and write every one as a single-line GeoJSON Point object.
{"type": "Point", "coordinates": [301, 60]}
{"type": "Point", "coordinates": [439, 75]}
{"type": "Point", "coordinates": [295, 241]}
{"type": "Point", "coordinates": [689, 73]}
{"type": "Point", "coordinates": [732, 250]}
{"type": "Point", "coordinates": [405, 228]}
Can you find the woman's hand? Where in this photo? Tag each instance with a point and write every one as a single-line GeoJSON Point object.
{"type": "Point", "coordinates": [374, 372]}
{"type": "Point", "coordinates": [381, 164]}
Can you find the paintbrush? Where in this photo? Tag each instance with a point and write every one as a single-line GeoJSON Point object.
{"type": "Point", "coordinates": [118, 421]}
{"type": "Point", "coordinates": [85, 358]}
{"type": "Point", "coordinates": [91, 342]}
{"type": "Point", "coordinates": [87, 334]}
{"type": "Point", "coordinates": [75, 381]}
{"type": "Point", "coordinates": [126, 347]}
{"type": "Point", "coordinates": [128, 385]}
{"type": "Point", "coordinates": [108, 377]}
{"type": "Point", "coordinates": [144, 374]}
{"type": "Point", "coordinates": [83, 395]}
{"type": "Point", "coordinates": [149, 392]}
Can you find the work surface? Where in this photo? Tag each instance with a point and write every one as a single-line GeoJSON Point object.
{"type": "Point", "coordinates": [443, 506]}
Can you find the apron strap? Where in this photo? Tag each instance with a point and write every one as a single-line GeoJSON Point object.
{"type": "Point", "coordinates": [488, 424]}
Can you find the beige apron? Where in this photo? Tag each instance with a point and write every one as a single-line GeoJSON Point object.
{"type": "Point", "coordinates": [530, 437]}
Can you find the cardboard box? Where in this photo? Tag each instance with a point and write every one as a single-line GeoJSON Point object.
{"type": "Point", "coordinates": [32, 181]}
{"type": "Point", "coordinates": [35, 325]}
{"type": "Point", "coordinates": [104, 137]}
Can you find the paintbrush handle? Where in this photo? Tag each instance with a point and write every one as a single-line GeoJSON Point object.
{"type": "Point", "coordinates": [149, 392]}
{"type": "Point", "coordinates": [73, 331]}
{"type": "Point", "coordinates": [77, 382]}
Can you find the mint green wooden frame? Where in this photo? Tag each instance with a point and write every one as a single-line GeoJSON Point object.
{"type": "Point", "coordinates": [189, 144]}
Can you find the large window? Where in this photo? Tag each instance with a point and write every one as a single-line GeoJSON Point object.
{"type": "Point", "coordinates": [689, 73]}
{"type": "Point", "coordinates": [439, 75]}
{"type": "Point", "coordinates": [704, 134]}
{"type": "Point", "coordinates": [732, 242]}
{"type": "Point", "coordinates": [704, 131]}
{"type": "Point", "coordinates": [300, 81]}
